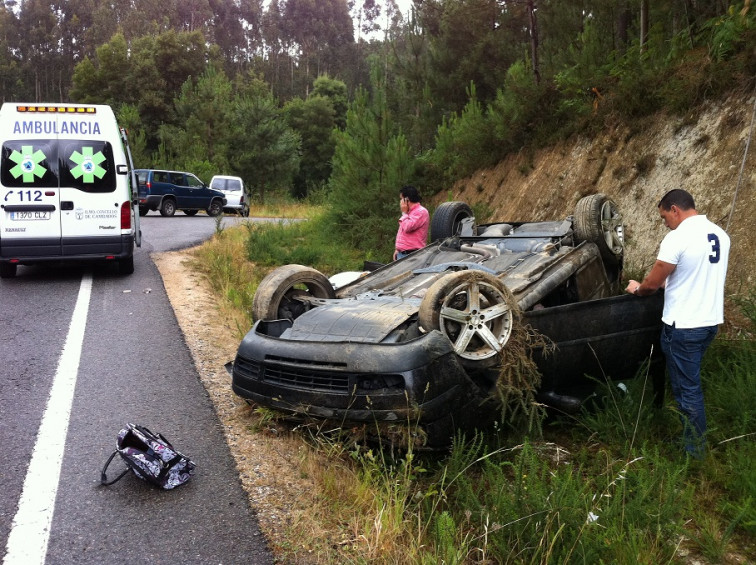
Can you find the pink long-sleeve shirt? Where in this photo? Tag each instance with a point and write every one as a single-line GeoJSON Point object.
{"type": "Point", "coordinates": [413, 228]}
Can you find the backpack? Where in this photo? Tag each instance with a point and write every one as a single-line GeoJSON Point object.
{"type": "Point", "coordinates": [151, 457]}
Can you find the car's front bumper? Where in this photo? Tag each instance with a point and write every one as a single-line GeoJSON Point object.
{"type": "Point", "coordinates": [416, 383]}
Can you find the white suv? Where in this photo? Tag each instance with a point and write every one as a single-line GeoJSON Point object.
{"type": "Point", "coordinates": [236, 195]}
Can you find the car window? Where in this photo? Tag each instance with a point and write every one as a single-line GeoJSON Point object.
{"type": "Point", "coordinates": [160, 176]}
{"type": "Point", "coordinates": [193, 181]}
{"type": "Point", "coordinates": [30, 164]}
{"type": "Point", "coordinates": [82, 164]}
{"type": "Point", "coordinates": [178, 179]}
{"type": "Point", "coordinates": [231, 185]}
{"type": "Point", "coordinates": [87, 165]}
{"type": "Point", "coordinates": [141, 176]}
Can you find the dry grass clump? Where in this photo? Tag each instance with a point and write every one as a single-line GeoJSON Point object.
{"type": "Point", "coordinates": [519, 377]}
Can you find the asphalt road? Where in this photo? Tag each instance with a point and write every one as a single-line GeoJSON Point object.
{"type": "Point", "coordinates": [129, 364]}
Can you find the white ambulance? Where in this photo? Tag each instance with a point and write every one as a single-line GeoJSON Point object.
{"type": "Point", "coordinates": [65, 187]}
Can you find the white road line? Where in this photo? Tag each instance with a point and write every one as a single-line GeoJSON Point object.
{"type": "Point", "coordinates": [30, 531]}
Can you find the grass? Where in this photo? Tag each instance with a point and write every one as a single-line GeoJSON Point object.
{"type": "Point", "coordinates": [607, 486]}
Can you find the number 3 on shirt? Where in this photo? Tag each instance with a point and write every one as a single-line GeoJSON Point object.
{"type": "Point", "coordinates": [715, 249]}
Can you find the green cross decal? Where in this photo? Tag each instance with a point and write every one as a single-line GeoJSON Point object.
{"type": "Point", "coordinates": [27, 163]}
{"type": "Point", "coordinates": [87, 164]}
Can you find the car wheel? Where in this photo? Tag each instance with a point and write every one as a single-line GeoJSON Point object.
{"type": "Point", "coordinates": [215, 209]}
{"type": "Point", "coordinates": [447, 219]}
{"type": "Point", "coordinates": [126, 266]}
{"type": "Point", "coordinates": [143, 211]}
{"type": "Point", "coordinates": [276, 294]}
{"type": "Point", "coordinates": [168, 207]}
{"type": "Point", "coordinates": [191, 212]}
{"type": "Point", "coordinates": [245, 211]}
{"type": "Point", "coordinates": [598, 220]}
{"type": "Point", "coordinates": [7, 270]}
{"type": "Point", "coordinates": [475, 310]}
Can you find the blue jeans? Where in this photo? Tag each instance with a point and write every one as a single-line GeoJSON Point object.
{"type": "Point", "coordinates": [684, 349]}
{"type": "Point", "coordinates": [401, 254]}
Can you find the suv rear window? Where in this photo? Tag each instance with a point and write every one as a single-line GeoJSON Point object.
{"type": "Point", "coordinates": [49, 163]}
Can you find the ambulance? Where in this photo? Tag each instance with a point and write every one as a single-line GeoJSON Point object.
{"type": "Point", "coordinates": [66, 181]}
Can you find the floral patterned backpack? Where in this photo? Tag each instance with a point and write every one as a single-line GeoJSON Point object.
{"type": "Point", "coordinates": [151, 457]}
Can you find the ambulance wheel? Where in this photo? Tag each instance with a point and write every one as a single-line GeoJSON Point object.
{"type": "Point", "coordinates": [126, 266]}
{"type": "Point", "coordinates": [7, 270]}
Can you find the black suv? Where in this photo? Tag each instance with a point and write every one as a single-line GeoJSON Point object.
{"type": "Point", "coordinates": [168, 191]}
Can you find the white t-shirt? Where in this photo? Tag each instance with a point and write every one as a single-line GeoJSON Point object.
{"type": "Point", "coordinates": [694, 293]}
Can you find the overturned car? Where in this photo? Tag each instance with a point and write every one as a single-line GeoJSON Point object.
{"type": "Point", "coordinates": [420, 341]}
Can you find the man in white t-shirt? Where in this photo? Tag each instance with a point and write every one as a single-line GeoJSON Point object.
{"type": "Point", "coordinates": [691, 267]}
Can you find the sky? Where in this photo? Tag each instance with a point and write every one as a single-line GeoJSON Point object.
{"type": "Point", "coordinates": [404, 6]}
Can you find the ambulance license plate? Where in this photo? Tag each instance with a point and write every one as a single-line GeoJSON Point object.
{"type": "Point", "coordinates": [30, 215]}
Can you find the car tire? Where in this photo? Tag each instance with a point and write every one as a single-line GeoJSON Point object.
{"type": "Point", "coordinates": [7, 270]}
{"type": "Point", "coordinates": [245, 212]}
{"type": "Point", "coordinates": [168, 207]}
{"type": "Point", "coordinates": [126, 266]}
{"type": "Point", "coordinates": [598, 220]}
{"type": "Point", "coordinates": [475, 311]}
{"type": "Point", "coordinates": [143, 211]}
{"type": "Point", "coordinates": [447, 219]}
{"type": "Point", "coordinates": [215, 209]}
{"type": "Point", "coordinates": [190, 212]}
{"type": "Point", "coordinates": [274, 297]}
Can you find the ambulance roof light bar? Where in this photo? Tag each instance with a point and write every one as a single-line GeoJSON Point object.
{"type": "Point", "coordinates": [62, 109]}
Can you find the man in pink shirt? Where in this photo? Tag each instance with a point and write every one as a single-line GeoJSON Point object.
{"type": "Point", "coordinates": [413, 224]}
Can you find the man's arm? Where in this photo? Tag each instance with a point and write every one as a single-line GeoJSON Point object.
{"type": "Point", "coordinates": [654, 280]}
{"type": "Point", "coordinates": [415, 219]}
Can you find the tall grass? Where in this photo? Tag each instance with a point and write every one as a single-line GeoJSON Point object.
{"type": "Point", "coordinates": [610, 485]}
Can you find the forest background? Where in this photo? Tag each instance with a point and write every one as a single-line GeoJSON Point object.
{"type": "Point", "coordinates": [343, 102]}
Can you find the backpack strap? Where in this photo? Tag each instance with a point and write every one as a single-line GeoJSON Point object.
{"type": "Point", "coordinates": [103, 475]}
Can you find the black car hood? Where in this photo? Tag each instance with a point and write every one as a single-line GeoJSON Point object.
{"type": "Point", "coordinates": [356, 320]}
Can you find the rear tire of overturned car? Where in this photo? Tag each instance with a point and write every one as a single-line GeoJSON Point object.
{"type": "Point", "coordinates": [447, 219]}
{"type": "Point", "coordinates": [598, 220]}
{"type": "Point", "coordinates": [275, 296]}
{"type": "Point", "coordinates": [474, 310]}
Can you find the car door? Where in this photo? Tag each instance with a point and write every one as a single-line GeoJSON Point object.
{"type": "Point", "coordinates": [181, 190]}
{"type": "Point", "coordinates": [89, 208]}
{"type": "Point", "coordinates": [597, 337]}
{"type": "Point", "coordinates": [30, 197]}
{"type": "Point", "coordinates": [198, 192]}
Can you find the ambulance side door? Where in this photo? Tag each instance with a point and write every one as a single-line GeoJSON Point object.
{"type": "Point", "coordinates": [89, 203]}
